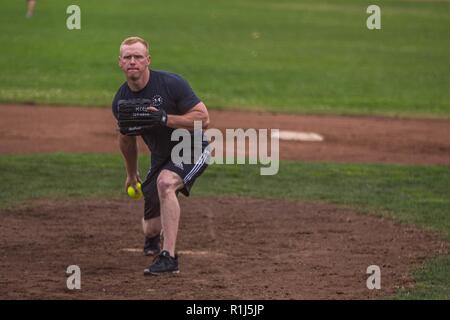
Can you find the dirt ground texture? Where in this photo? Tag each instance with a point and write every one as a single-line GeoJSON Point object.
{"type": "Point", "coordinates": [28, 129]}
{"type": "Point", "coordinates": [229, 247]}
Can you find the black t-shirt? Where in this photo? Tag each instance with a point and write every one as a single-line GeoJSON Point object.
{"type": "Point", "coordinates": [167, 91]}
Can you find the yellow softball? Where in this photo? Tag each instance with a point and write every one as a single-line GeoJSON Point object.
{"type": "Point", "coordinates": [133, 194]}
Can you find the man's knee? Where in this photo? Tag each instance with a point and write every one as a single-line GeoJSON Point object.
{"type": "Point", "coordinates": [167, 183]}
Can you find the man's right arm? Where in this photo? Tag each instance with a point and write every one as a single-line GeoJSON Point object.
{"type": "Point", "coordinates": [128, 147]}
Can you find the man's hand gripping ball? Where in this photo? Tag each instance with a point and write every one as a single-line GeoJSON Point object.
{"type": "Point", "coordinates": [135, 192]}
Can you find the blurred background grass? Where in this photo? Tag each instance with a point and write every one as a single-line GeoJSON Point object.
{"type": "Point", "coordinates": [312, 56]}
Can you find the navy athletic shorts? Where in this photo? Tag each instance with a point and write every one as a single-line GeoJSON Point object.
{"type": "Point", "coordinates": [187, 172]}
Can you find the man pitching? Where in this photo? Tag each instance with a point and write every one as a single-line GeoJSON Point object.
{"type": "Point", "coordinates": [153, 104]}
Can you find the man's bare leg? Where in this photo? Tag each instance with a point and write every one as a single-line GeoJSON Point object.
{"type": "Point", "coordinates": [151, 227]}
{"type": "Point", "coordinates": [168, 183]}
{"type": "Point", "coordinates": [152, 232]}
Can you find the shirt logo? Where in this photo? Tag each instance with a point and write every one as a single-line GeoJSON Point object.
{"type": "Point", "coordinates": [157, 101]}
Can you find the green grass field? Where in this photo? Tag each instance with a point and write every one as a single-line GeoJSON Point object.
{"type": "Point", "coordinates": [411, 194]}
{"type": "Point", "coordinates": [312, 56]}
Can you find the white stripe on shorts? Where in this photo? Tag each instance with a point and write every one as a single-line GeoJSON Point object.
{"type": "Point", "coordinates": [200, 162]}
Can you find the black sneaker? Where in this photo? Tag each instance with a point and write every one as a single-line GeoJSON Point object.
{"type": "Point", "coordinates": [152, 246]}
{"type": "Point", "coordinates": [163, 263]}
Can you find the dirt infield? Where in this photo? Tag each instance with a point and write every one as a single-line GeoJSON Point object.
{"type": "Point", "coordinates": [28, 129]}
{"type": "Point", "coordinates": [230, 248]}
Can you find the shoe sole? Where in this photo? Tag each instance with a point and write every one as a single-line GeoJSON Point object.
{"type": "Point", "coordinates": [160, 273]}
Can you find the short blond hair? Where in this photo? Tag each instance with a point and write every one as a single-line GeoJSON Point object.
{"type": "Point", "coordinates": [133, 40]}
